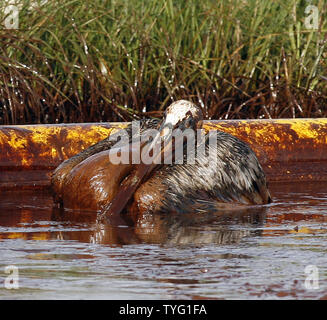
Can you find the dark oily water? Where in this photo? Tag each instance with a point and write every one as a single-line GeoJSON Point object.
{"type": "Point", "coordinates": [273, 252]}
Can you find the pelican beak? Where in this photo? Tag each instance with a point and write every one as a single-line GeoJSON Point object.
{"type": "Point", "coordinates": [141, 171]}
{"type": "Point", "coordinates": [163, 137]}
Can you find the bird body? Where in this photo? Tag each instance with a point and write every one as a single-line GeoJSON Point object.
{"type": "Point", "coordinates": [226, 175]}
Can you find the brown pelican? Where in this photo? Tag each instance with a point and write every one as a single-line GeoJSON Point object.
{"type": "Point", "coordinates": [230, 178]}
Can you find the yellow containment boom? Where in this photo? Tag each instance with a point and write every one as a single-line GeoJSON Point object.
{"type": "Point", "coordinates": [288, 149]}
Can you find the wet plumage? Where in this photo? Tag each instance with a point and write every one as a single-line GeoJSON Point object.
{"type": "Point", "coordinates": [231, 177]}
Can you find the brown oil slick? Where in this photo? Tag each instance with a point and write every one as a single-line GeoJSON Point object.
{"type": "Point", "coordinates": [258, 253]}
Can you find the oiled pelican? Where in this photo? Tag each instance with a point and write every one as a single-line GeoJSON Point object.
{"type": "Point", "coordinates": [231, 178]}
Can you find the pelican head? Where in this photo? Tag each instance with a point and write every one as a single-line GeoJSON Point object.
{"type": "Point", "coordinates": [182, 114]}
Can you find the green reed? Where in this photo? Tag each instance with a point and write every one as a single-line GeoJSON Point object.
{"type": "Point", "coordinates": [101, 60]}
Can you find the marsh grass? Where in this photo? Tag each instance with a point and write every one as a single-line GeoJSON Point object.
{"type": "Point", "coordinates": [99, 60]}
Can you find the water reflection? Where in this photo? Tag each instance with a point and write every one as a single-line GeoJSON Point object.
{"type": "Point", "coordinates": [216, 228]}
{"type": "Point", "coordinates": [33, 218]}
{"type": "Point", "coordinates": [30, 215]}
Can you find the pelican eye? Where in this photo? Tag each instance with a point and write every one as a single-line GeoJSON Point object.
{"type": "Point", "coordinates": [189, 123]}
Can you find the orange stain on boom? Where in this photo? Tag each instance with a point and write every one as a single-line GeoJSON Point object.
{"type": "Point", "coordinates": [288, 149]}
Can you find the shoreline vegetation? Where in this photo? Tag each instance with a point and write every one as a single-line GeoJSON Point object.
{"type": "Point", "coordinates": [101, 60]}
